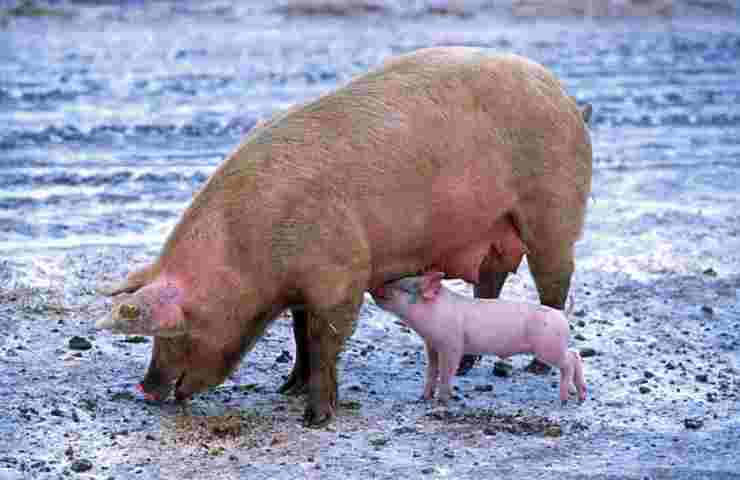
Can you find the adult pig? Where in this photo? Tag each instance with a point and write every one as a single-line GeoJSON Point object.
{"type": "Point", "coordinates": [452, 325]}
{"type": "Point", "coordinates": [440, 159]}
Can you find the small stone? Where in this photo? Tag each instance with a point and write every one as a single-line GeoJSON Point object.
{"type": "Point", "coordinates": [427, 470]}
{"type": "Point", "coordinates": [404, 430]}
{"type": "Point", "coordinates": [706, 309]}
{"type": "Point", "coordinates": [378, 441]}
{"type": "Point", "coordinates": [79, 343]}
{"type": "Point", "coordinates": [553, 431]}
{"type": "Point", "coordinates": [587, 352]}
{"type": "Point", "coordinates": [483, 388]}
{"type": "Point", "coordinates": [693, 423]}
{"type": "Point", "coordinates": [579, 336]}
{"type": "Point", "coordinates": [581, 323]}
{"type": "Point", "coordinates": [284, 357]}
{"type": "Point", "coordinates": [670, 366]}
{"type": "Point", "coordinates": [81, 465]}
{"type": "Point", "coordinates": [502, 369]}
{"type": "Point", "coordinates": [579, 313]}
{"type": "Point", "coordinates": [136, 339]}
{"type": "Point", "coordinates": [57, 413]}
{"type": "Point", "coordinates": [644, 389]}
{"type": "Point", "coordinates": [649, 374]}
{"type": "Point", "coordinates": [710, 272]}
{"type": "Point", "coordinates": [702, 377]}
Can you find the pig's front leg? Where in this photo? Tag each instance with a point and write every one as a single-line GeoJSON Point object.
{"type": "Point", "coordinates": [432, 372]}
{"type": "Point", "coordinates": [297, 382]}
{"type": "Point", "coordinates": [326, 332]}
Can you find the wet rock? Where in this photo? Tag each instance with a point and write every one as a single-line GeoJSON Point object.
{"type": "Point", "coordinates": [670, 366]}
{"type": "Point", "coordinates": [484, 388]}
{"type": "Point", "coordinates": [427, 470]}
{"type": "Point", "coordinates": [580, 313]}
{"type": "Point", "coordinates": [587, 352]}
{"type": "Point", "coordinates": [81, 465]}
{"type": "Point", "coordinates": [502, 369]}
{"type": "Point", "coordinates": [136, 339]}
{"type": "Point", "coordinates": [644, 389]}
{"type": "Point", "coordinates": [79, 343]}
{"type": "Point", "coordinates": [378, 442]}
{"type": "Point", "coordinates": [693, 423]}
{"type": "Point", "coordinates": [404, 430]}
{"type": "Point", "coordinates": [707, 310]}
{"type": "Point", "coordinates": [648, 374]}
{"type": "Point", "coordinates": [710, 272]}
{"type": "Point", "coordinates": [702, 377]}
{"type": "Point", "coordinates": [579, 336]}
{"type": "Point", "coordinates": [284, 357]}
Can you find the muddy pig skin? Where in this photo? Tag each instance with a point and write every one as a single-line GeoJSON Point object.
{"type": "Point", "coordinates": [449, 159]}
{"type": "Point", "coordinates": [452, 325]}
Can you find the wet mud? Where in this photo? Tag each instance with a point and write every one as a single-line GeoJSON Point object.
{"type": "Point", "coordinates": [110, 119]}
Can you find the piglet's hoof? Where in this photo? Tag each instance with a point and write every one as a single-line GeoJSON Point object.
{"type": "Point", "coordinates": [537, 367]}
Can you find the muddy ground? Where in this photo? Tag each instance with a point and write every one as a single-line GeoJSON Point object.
{"type": "Point", "coordinates": [656, 287]}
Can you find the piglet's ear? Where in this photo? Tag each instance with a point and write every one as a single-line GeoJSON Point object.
{"type": "Point", "coordinates": [431, 285]}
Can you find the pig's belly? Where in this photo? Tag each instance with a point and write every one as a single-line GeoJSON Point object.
{"type": "Point", "coordinates": [462, 263]}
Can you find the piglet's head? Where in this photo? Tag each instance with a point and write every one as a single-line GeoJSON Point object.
{"type": "Point", "coordinates": [409, 290]}
{"type": "Point", "coordinates": [152, 310]}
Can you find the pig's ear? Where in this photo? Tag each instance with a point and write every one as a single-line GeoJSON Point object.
{"type": "Point", "coordinates": [431, 285]}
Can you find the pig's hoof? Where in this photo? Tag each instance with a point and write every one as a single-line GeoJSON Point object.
{"type": "Point", "coordinates": [294, 386]}
{"type": "Point", "coordinates": [537, 367]}
{"type": "Point", "coordinates": [467, 363]}
{"type": "Point", "coordinates": [317, 418]}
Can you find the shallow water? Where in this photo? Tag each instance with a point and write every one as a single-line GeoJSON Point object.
{"type": "Point", "coordinates": [109, 123]}
{"type": "Point", "coordinates": [110, 120]}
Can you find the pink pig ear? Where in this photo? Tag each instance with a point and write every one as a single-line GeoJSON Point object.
{"type": "Point", "coordinates": [431, 285]}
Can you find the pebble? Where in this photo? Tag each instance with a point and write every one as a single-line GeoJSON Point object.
{"type": "Point", "coordinates": [702, 377]}
{"type": "Point", "coordinates": [484, 388]}
{"type": "Point", "coordinates": [644, 389]}
{"type": "Point", "coordinates": [588, 352]}
{"type": "Point", "coordinates": [79, 343]}
{"type": "Point", "coordinates": [81, 465]}
{"type": "Point", "coordinates": [284, 357]}
{"type": "Point", "coordinates": [693, 423]}
{"type": "Point", "coordinates": [502, 369]}
{"type": "Point", "coordinates": [707, 310]}
{"type": "Point", "coordinates": [579, 336]}
{"type": "Point", "coordinates": [649, 374]}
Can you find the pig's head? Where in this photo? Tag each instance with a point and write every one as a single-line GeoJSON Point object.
{"type": "Point", "coordinates": [152, 310]}
{"type": "Point", "coordinates": [398, 295]}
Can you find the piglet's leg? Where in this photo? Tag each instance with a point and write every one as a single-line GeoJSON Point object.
{"type": "Point", "coordinates": [432, 372]}
{"type": "Point", "coordinates": [448, 362]}
{"type": "Point", "coordinates": [566, 377]}
{"type": "Point", "coordinates": [578, 379]}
